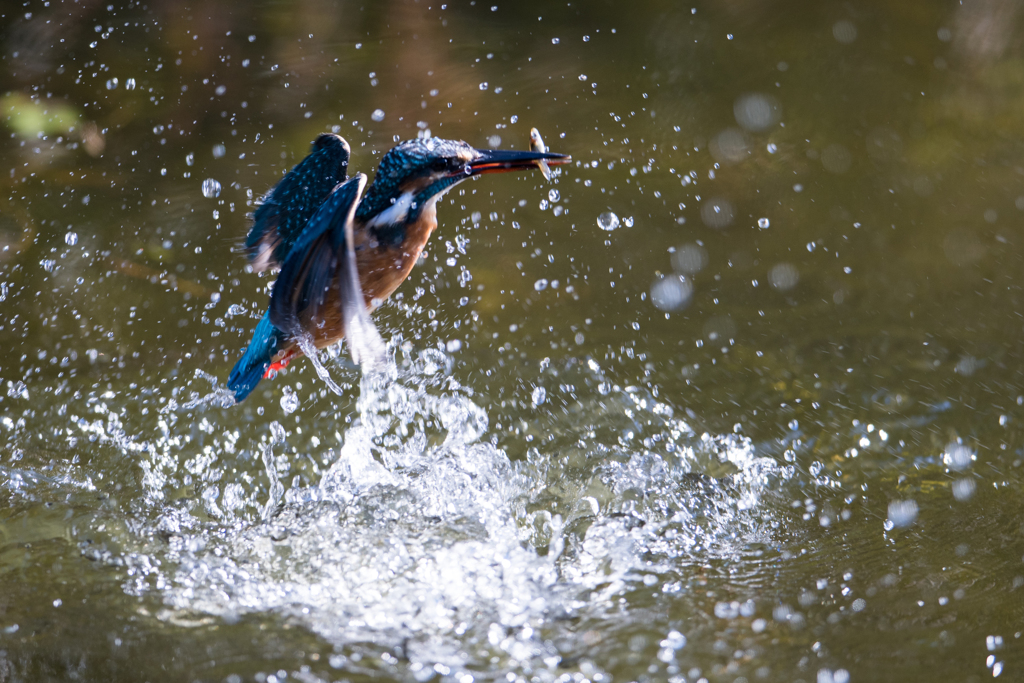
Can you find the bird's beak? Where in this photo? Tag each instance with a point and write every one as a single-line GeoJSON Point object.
{"type": "Point", "coordinates": [500, 161]}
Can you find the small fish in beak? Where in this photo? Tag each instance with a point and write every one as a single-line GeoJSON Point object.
{"type": "Point", "coordinates": [537, 145]}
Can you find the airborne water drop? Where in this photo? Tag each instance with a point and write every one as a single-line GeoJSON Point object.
{"type": "Point", "coordinates": [211, 188]}
{"type": "Point", "coordinates": [608, 221]}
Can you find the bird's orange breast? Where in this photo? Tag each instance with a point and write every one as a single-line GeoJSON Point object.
{"type": "Point", "coordinates": [382, 268]}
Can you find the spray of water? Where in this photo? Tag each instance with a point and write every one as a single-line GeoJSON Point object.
{"type": "Point", "coordinates": [413, 524]}
{"type": "Point", "coordinates": [422, 535]}
{"type": "Point", "coordinates": [305, 342]}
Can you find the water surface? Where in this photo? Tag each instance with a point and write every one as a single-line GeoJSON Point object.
{"type": "Point", "coordinates": [736, 396]}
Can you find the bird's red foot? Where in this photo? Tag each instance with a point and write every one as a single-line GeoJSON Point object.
{"type": "Point", "coordinates": [277, 366]}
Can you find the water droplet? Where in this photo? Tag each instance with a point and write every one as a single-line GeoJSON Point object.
{"type": "Point", "coordinates": [963, 489]}
{"type": "Point", "coordinates": [628, 221]}
{"type": "Point", "coordinates": [671, 293]}
{"type": "Point", "coordinates": [540, 285]}
{"type": "Point", "coordinates": [235, 309]}
{"type": "Point", "coordinates": [583, 77]}
{"type": "Point", "coordinates": [453, 346]}
{"type": "Point", "coordinates": [555, 41]}
{"type": "Point", "coordinates": [494, 141]}
{"type": "Point", "coordinates": [717, 213]}
{"type": "Point", "coordinates": [111, 84]}
{"type": "Point", "coordinates": [553, 195]}
{"type": "Point", "coordinates": [837, 676]}
{"type": "Point", "coordinates": [784, 276]}
{"type": "Point", "coordinates": [608, 221]}
{"type": "Point", "coordinates": [756, 111]}
{"type": "Point", "coordinates": [844, 31]}
{"type": "Point", "coordinates": [211, 188]}
{"type": "Point", "coordinates": [483, 86]}
{"type": "Point", "coordinates": [690, 259]}
{"type": "Point", "coordinates": [71, 238]}
{"type": "Point", "coordinates": [129, 84]}
{"type": "Point", "coordinates": [538, 396]}
{"type": "Point", "coordinates": [17, 390]}
{"type": "Point", "coordinates": [289, 404]}
{"type": "Point", "coordinates": [190, 159]}
{"type": "Point", "coordinates": [957, 456]}
{"type": "Point", "coordinates": [730, 146]}
{"type": "Point", "coordinates": [763, 223]}
{"type": "Point", "coordinates": [836, 159]}
{"type": "Point", "coordinates": [902, 513]}
{"type": "Point", "coordinates": [377, 115]}
{"type": "Point", "coordinates": [219, 151]}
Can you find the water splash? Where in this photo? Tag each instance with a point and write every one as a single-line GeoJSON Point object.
{"type": "Point", "coordinates": [220, 397]}
{"type": "Point", "coordinates": [305, 342]}
{"type": "Point", "coordinates": [276, 487]}
{"type": "Point", "coordinates": [423, 534]}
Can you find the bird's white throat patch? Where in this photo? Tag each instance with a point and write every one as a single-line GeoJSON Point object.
{"type": "Point", "coordinates": [394, 214]}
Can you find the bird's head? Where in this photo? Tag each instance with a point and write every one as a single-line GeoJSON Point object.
{"type": "Point", "coordinates": [414, 174]}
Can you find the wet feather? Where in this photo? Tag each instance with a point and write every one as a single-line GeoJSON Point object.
{"type": "Point", "coordinates": [283, 213]}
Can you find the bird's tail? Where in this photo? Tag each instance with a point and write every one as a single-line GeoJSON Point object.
{"type": "Point", "coordinates": [256, 359]}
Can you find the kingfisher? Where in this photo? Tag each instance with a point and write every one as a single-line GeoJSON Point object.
{"type": "Point", "coordinates": [341, 253]}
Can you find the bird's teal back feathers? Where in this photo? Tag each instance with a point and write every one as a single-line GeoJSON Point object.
{"type": "Point", "coordinates": [281, 217]}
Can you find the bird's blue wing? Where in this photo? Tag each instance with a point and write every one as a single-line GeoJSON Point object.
{"type": "Point", "coordinates": [324, 257]}
{"type": "Point", "coordinates": [283, 214]}
{"type": "Point", "coordinates": [302, 286]}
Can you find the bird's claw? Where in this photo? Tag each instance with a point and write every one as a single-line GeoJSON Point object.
{"type": "Point", "coordinates": [276, 367]}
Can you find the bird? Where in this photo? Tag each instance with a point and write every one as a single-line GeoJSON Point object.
{"type": "Point", "coordinates": [340, 252]}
